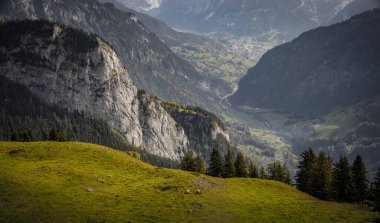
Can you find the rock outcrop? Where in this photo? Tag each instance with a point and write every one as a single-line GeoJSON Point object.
{"type": "Point", "coordinates": [151, 64]}
{"type": "Point", "coordinates": [81, 72]}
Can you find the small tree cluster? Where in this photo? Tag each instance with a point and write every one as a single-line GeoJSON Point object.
{"type": "Point", "coordinates": [318, 176]}
{"type": "Point", "coordinates": [278, 172]}
{"type": "Point", "coordinates": [231, 166]}
{"type": "Point", "coordinates": [193, 163]}
{"type": "Point", "coordinates": [58, 135]}
{"type": "Point", "coordinates": [22, 136]}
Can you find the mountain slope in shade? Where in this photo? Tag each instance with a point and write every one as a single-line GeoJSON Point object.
{"type": "Point", "coordinates": [323, 68]}
{"type": "Point", "coordinates": [325, 84]}
{"type": "Point", "coordinates": [151, 64]}
{"type": "Point", "coordinates": [80, 72]}
{"type": "Point", "coordinates": [354, 8]}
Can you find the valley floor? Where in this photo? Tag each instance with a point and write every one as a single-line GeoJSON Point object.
{"type": "Point", "coordinates": [79, 182]}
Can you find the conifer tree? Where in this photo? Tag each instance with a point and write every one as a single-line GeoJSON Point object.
{"type": "Point", "coordinates": [188, 162]}
{"type": "Point", "coordinates": [263, 174]}
{"type": "Point", "coordinates": [241, 166]}
{"type": "Point", "coordinates": [215, 169]}
{"type": "Point", "coordinates": [322, 177]}
{"type": "Point", "coordinates": [253, 172]}
{"type": "Point", "coordinates": [278, 172]}
{"type": "Point", "coordinates": [376, 191]}
{"type": "Point", "coordinates": [229, 165]}
{"type": "Point", "coordinates": [360, 181]}
{"type": "Point", "coordinates": [200, 164]}
{"type": "Point", "coordinates": [306, 171]}
{"type": "Point", "coordinates": [342, 181]}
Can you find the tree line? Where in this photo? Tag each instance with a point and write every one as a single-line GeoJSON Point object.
{"type": "Point", "coordinates": [230, 166]}
{"type": "Point", "coordinates": [27, 136]}
{"type": "Point", "coordinates": [341, 181]}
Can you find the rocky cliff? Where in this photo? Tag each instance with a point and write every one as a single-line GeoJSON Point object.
{"type": "Point", "coordinates": [80, 72]}
{"type": "Point", "coordinates": [151, 65]}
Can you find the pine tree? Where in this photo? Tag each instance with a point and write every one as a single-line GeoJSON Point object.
{"type": "Point", "coordinates": [215, 169]}
{"type": "Point", "coordinates": [229, 165]}
{"type": "Point", "coordinates": [376, 191]}
{"type": "Point", "coordinates": [253, 172]}
{"type": "Point", "coordinates": [200, 164]}
{"type": "Point", "coordinates": [306, 171]}
{"type": "Point", "coordinates": [278, 172]}
{"type": "Point", "coordinates": [263, 174]}
{"type": "Point", "coordinates": [241, 166]}
{"type": "Point", "coordinates": [322, 177]}
{"type": "Point", "coordinates": [188, 162]}
{"type": "Point", "coordinates": [342, 181]}
{"type": "Point", "coordinates": [360, 181]}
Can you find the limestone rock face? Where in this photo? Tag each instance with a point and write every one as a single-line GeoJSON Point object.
{"type": "Point", "coordinates": [81, 72]}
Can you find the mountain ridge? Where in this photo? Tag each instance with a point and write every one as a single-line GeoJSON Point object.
{"type": "Point", "coordinates": [53, 63]}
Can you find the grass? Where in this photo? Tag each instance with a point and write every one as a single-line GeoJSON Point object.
{"type": "Point", "coordinates": [79, 182]}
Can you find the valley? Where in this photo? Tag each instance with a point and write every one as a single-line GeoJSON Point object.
{"type": "Point", "coordinates": [101, 96]}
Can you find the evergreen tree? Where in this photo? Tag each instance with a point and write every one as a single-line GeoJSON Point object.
{"type": "Point", "coordinates": [58, 135]}
{"type": "Point", "coordinates": [278, 172]}
{"type": "Point", "coordinates": [263, 174]}
{"type": "Point", "coordinates": [322, 177]}
{"type": "Point", "coordinates": [229, 165]}
{"type": "Point", "coordinates": [376, 191]}
{"type": "Point", "coordinates": [342, 182]}
{"type": "Point", "coordinates": [253, 172]}
{"type": "Point", "coordinates": [188, 162]}
{"type": "Point", "coordinates": [306, 171]}
{"type": "Point", "coordinates": [200, 164]}
{"type": "Point", "coordinates": [241, 166]}
{"type": "Point", "coordinates": [360, 181]}
{"type": "Point", "coordinates": [215, 169]}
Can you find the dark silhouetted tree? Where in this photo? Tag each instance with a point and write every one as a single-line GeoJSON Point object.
{"type": "Point", "coordinates": [263, 173]}
{"type": "Point", "coordinates": [253, 172]}
{"type": "Point", "coordinates": [229, 164]}
{"type": "Point", "coordinates": [376, 191]}
{"type": "Point", "coordinates": [360, 181]}
{"type": "Point", "coordinates": [58, 135]}
{"type": "Point", "coordinates": [306, 171]}
{"type": "Point", "coordinates": [278, 172]}
{"type": "Point", "coordinates": [322, 177]}
{"type": "Point", "coordinates": [188, 162]}
{"type": "Point", "coordinates": [240, 166]}
{"type": "Point", "coordinates": [342, 181]}
{"type": "Point", "coordinates": [200, 164]}
{"type": "Point", "coordinates": [215, 169]}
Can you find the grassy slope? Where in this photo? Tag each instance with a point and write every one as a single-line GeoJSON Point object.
{"type": "Point", "coordinates": [77, 182]}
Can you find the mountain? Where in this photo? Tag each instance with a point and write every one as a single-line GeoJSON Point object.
{"type": "Point", "coordinates": [324, 87]}
{"type": "Point", "coordinates": [152, 65]}
{"type": "Point", "coordinates": [323, 68]}
{"type": "Point", "coordinates": [354, 8]}
{"type": "Point", "coordinates": [79, 72]}
{"type": "Point", "coordinates": [78, 182]}
{"type": "Point", "coordinates": [166, 34]}
{"type": "Point", "coordinates": [273, 19]}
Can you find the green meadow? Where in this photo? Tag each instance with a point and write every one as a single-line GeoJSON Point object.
{"type": "Point", "coordinates": [80, 182]}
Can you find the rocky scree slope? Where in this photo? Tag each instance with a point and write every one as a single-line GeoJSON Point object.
{"type": "Point", "coordinates": [151, 64]}
{"type": "Point", "coordinates": [80, 72]}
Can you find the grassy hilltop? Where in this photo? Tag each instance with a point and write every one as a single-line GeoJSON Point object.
{"type": "Point", "coordinates": [79, 182]}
